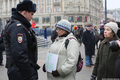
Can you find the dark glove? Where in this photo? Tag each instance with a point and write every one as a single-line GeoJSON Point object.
{"type": "Point", "coordinates": [34, 78]}
{"type": "Point", "coordinates": [55, 73]}
{"type": "Point", "coordinates": [93, 77]}
{"type": "Point", "coordinates": [44, 70]}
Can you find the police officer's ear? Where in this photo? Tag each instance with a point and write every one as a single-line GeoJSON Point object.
{"type": "Point", "coordinates": [23, 13]}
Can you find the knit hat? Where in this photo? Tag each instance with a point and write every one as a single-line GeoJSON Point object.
{"type": "Point", "coordinates": [65, 25]}
{"type": "Point", "coordinates": [113, 26]}
{"type": "Point", "coordinates": [27, 5]}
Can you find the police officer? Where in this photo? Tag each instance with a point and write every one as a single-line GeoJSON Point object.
{"type": "Point", "coordinates": [20, 44]}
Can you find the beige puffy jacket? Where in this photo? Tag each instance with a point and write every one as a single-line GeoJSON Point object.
{"type": "Point", "coordinates": [67, 58]}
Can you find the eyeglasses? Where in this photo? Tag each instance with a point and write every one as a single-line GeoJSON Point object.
{"type": "Point", "coordinates": [58, 29]}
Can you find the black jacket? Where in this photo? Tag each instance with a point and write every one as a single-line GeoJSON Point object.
{"type": "Point", "coordinates": [101, 36]}
{"type": "Point", "coordinates": [1, 42]}
{"type": "Point", "coordinates": [21, 42]}
{"type": "Point", "coordinates": [88, 39]}
{"type": "Point", "coordinates": [118, 33]}
{"type": "Point", "coordinates": [117, 67]}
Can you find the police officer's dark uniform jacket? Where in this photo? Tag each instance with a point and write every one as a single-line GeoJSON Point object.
{"type": "Point", "coordinates": [21, 48]}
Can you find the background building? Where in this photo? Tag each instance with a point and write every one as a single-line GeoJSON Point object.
{"type": "Point", "coordinates": [115, 13]}
{"type": "Point", "coordinates": [49, 12]}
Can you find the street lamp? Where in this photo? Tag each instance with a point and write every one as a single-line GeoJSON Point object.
{"type": "Point", "coordinates": [105, 11]}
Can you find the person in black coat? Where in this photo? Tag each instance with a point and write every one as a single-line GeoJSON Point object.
{"type": "Point", "coordinates": [118, 33]}
{"type": "Point", "coordinates": [115, 46]}
{"type": "Point", "coordinates": [101, 36]}
{"type": "Point", "coordinates": [1, 48]}
{"type": "Point", "coordinates": [88, 39]}
{"type": "Point", "coordinates": [20, 44]}
{"type": "Point", "coordinates": [54, 35]}
{"type": "Point", "coordinates": [45, 33]}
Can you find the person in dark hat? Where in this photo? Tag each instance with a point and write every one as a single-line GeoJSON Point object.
{"type": "Point", "coordinates": [88, 39]}
{"type": "Point", "coordinates": [89, 25]}
{"type": "Point", "coordinates": [20, 43]}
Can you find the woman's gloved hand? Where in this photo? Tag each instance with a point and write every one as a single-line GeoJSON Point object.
{"type": "Point", "coordinates": [93, 77]}
{"type": "Point", "coordinates": [55, 73]}
{"type": "Point", "coordinates": [44, 70]}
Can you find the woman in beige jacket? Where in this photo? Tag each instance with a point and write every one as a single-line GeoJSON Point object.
{"type": "Point", "coordinates": [67, 57]}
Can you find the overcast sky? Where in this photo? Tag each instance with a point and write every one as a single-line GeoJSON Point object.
{"type": "Point", "coordinates": [112, 4]}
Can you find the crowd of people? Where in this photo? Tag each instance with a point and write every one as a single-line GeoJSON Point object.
{"type": "Point", "coordinates": [19, 41]}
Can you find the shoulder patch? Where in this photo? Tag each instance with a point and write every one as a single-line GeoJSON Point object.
{"type": "Point", "coordinates": [18, 24]}
{"type": "Point", "coordinates": [20, 38]}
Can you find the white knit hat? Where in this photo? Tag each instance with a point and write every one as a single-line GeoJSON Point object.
{"type": "Point", "coordinates": [113, 26]}
{"type": "Point", "coordinates": [64, 24]}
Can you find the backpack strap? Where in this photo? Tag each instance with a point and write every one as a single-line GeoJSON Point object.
{"type": "Point", "coordinates": [67, 41]}
{"type": "Point", "coordinates": [61, 45]}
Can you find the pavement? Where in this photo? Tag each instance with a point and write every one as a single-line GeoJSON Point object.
{"type": "Point", "coordinates": [84, 74]}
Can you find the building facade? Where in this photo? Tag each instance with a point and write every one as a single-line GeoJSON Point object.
{"type": "Point", "coordinates": [115, 13]}
{"type": "Point", "coordinates": [49, 12]}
